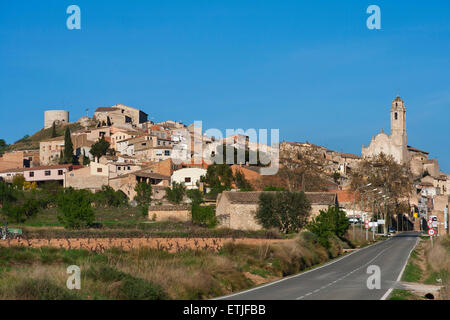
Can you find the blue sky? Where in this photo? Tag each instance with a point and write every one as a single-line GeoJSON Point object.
{"type": "Point", "coordinates": [310, 68]}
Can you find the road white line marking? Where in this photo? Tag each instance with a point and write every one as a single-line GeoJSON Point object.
{"type": "Point", "coordinates": [345, 276]}
{"type": "Point", "coordinates": [388, 293]}
{"type": "Point", "coordinates": [302, 273]}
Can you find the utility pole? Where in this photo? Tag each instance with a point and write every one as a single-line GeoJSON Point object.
{"type": "Point", "coordinates": [373, 214]}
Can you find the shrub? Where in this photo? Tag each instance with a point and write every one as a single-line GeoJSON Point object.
{"type": "Point", "coordinates": [108, 197]}
{"type": "Point", "coordinates": [143, 196]}
{"type": "Point", "coordinates": [42, 289]}
{"type": "Point", "coordinates": [143, 193]}
{"type": "Point", "coordinates": [75, 208]}
{"type": "Point", "coordinates": [176, 193]}
{"type": "Point", "coordinates": [195, 195]}
{"type": "Point", "coordinates": [7, 193]}
{"type": "Point", "coordinates": [13, 212]}
{"type": "Point", "coordinates": [18, 181]}
{"type": "Point", "coordinates": [240, 181]}
{"type": "Point", "coordinates": [286, 211]}
{"type": "Point", "coordinates": [329, 223]}
{"type": "Point", "coordinates": [204, 215]}
{"type": "Point", "coordinates": [100, 148]}
{"type": "Point", "coordinates": [130, 288]}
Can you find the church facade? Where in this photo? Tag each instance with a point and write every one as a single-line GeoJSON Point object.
{"type": "Point", "coordinates": [395, 144]}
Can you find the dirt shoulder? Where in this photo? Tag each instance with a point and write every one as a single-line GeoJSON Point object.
{"type": "Point", "coordinates": [426, 275]}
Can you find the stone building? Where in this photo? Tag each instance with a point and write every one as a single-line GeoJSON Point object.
{"type": "Point", "coordinates": [50, 150]}
{"type": "Point", "coordinates": [394, 144]}
{"type": "Point", "coordinates": [55, 116]}
{"type": "Point", "coordinates": [237, 210]}
{"type": "Point", "coordinates": [397, 146]}
{"type": "Point", "coordinates": [120, 115]}
{"type": "Point", "coordinates": [127, 183]}
{"type": "Point", "coordinates": [92, 177]}
{"type": "Point", "coordinates": [120, 136]}
{"type": "Point", "coordinates": [19, 159]}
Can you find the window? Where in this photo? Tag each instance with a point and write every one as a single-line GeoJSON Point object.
{"type": "Point", "coordinates": [396, 116]}
{"type": "Point", "coordinates": [187, 179]}
{"type": "Point", "coordinates": [167, 152]}
{"type": "Point", "coordinates": [99, 169]}
{"type": "Point", "coordinates": [118, 168]}
{"type": "Point", "coordinates": [48, 173]}
{"type": "Point", "coordinates": [60, 172]}
{"type": "Point", "coordinates": [129, 168]}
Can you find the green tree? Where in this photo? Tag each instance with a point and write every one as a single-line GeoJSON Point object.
{"type": "Point", "coordinates": [13, 212]}
{"type": "Point", "coordinates": [75, 208]}
{"type": "Point", "coordinates": [31, 207]}
{"type": "Point", "coordinates": [100, 148]}
{"type": "Point", "coordinates": [108, 197]}
{"type": "Point", "coordinates": [204, 215]}
{"type": "Point", "coordinates": [240, 181]}
{"type": "Point", "coordinates": [18, 181]}
{"type": "Point", "coordinates": [329, 223]}
{"type": "Point", "coordinates": [68, 147]}
{"type": "Point", "coordinates": [86, 160]}
{"type": "Point", "coordinates": [7, 193]}
{"type": "Point", "coordinates": [143, 196]}
{"type": "Point", "coordinates": [195, 195]}
{"type": "Point", "coordinates": [176, 193]}
{"type": "Point", "coordinates": [3, 146]}
{"type": "Point", "coordinates": [54, 134]}
{"type": "Point", "coordinates": [61, 157]}
{"type": "Point", "coordinates": [219, 177]}
{"type": "Point", "coordinates": [285, 210]}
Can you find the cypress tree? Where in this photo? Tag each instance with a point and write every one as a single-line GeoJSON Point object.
{"type": "Point", "coordinates": [54, 130]}
{"type": "Point", "coordinates": [68, 147]}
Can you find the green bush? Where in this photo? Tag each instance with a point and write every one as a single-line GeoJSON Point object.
{"type": "Point", "coordinates": [130, 288]}
{"type": "Point", "coordinates": [204, 215]}
{"type": "Point", "coordinates": [7, 193]}
{"type": "Point", "coordinates": [108, 197]}
{"type": "Point", "coordinates": [42, 289]}
{"type": "Point", "coordinates": [176, 193]}
{"type": "Point", "coordinates": [329, 223]}
{"type": "Point", "coordinates": [13, 212]}
{"type": "Point", "coordinates": [75, 208]}
{"type": "Point", "coordinates": [195, 195]}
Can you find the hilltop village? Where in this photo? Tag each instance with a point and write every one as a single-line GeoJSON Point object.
{"type": "Point", "coordinates": [119, 147]}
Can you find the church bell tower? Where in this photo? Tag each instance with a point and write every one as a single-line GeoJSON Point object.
{"type": "Point", "coordinates": [398, 128]}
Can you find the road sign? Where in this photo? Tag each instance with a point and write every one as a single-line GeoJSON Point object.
{"type": "Point", "coordinates": [380, 221]}
{"type": "Point", "coordinates": [373, 224]}
{"type": "Point", "coordinates": [431, 232]}
{"type": "Point", "coordinates": [366, 224]}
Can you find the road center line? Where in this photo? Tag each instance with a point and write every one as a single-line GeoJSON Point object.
{"type": "Point", "coordinates": [343, 277]}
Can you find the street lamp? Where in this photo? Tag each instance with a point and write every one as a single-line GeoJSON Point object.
{"type": "Point", "coordinates": [354, 207]}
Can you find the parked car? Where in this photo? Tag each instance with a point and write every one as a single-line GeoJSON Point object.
{"type": "Point", "coordinates": [354, 220]}
{"type": "Point", "coordinates": [391, 230]}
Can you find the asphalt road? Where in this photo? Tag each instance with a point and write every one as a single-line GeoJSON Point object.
{"type": "Point", "coordinates": [344, 278]}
